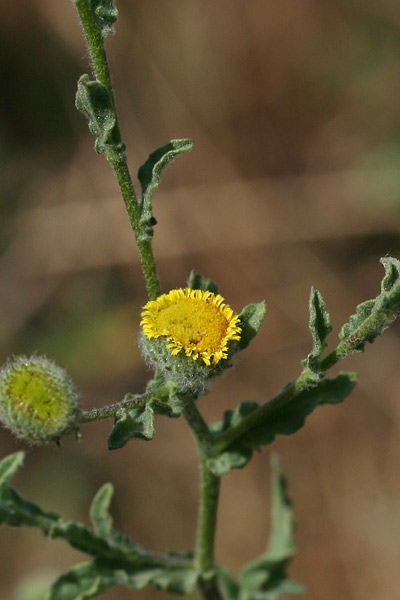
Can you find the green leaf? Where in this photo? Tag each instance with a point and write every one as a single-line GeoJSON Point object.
{"type": "Point", "coordinates": [136, 422]}
{"type": "Point", "coordinates": [292, 417]}
{"type": "Point", "coordinates": [99, 511]}
{"type": "Point", "coordinates": [228, 584]}
{"type": "Point", "coordinates": [81, 582]}
{"type": "Point", "coordinates": [320, 326]}
{"type": "Point", "coordinates": [198, 282]}
{"type": "Point", "coordinates": [392, 274]}
{"type": "Point", "coordinates": [166, 399]}
{"type": "Point", "coordinates": [349, 330]}
{"type": "Point", "coordinates": [235, 457]}
{"type": "Point", "coordinates": [105, 15]}
{"type": "Point", "coordinates": [117, 560]}
{"type": "Point", "coordinates": [266, 578]}
{"type": "Point", "coordinates": [251, 319]}
{"type": "Point", "coordinates": [285, 420]}
{"type": "Point", "coordinates": [89, 580]}
{"type": "Point", "coordinates": [9, 465]}
{"type": "Point", "coordinates": [94, 101]}
{"type": "Point", "coordinates": [373, 316]}
{"type": "Point", "coordinates": [281, 542]}
{"type": "Point", "coordinates": [149, 176]}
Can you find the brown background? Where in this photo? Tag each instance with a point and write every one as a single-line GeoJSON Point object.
{"type": "Point", "coordinates": [294, 180]}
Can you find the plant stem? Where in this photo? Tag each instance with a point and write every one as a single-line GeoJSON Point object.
{"type": "Point", "coordinates": [95, 43]}
{"type": "Point", "coordinates": [117, 160]}
{"type": "Point", "coordinates": [105, 412]}
{"type": "Point", "coordinates": [115, 154]}
{"type": "Point", "coordinates": [208, 506]}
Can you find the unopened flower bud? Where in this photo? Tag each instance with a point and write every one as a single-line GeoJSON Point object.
{"type": "Point", "coordinates": [38, 401]}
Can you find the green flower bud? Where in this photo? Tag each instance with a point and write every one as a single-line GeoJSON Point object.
{"type": "Point", "coordinates": [38, 401]}
{"type": "Point", "coordinates": [187, 336]}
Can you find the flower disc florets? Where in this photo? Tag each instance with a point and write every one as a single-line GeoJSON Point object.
{"type": "Point", "coordinates": [195, 328]}
{"type": "Point", "coordinates": [38, 401]}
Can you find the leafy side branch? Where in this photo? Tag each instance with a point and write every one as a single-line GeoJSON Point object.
{"type": "Point", "coordinates": [251, 426]}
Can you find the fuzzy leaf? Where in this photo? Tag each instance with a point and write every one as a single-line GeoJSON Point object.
{"type": "Point", "coordinates": [136, 422]}
{"type": "Point", "coordinates": [9, 465]}
{"type": "Point", "coordinates": [166, 400]}
{"type": "Point", "coordinates": [235, 457]}
{"type": "Point", "coordinates": [320, 325]}
{"type": "Point", "coordinates": [265, 578]}
{"type": "Point", "coordinates": [105, 15]}
{"type": "Point", "coordinates": [81, 582]}
{"type": "Point", "coordinates": [251, 319]}
{"type": "Point", "coordinates": [283, 421]}
{"type": "Point", "coordinates": [89, 580]}
{"type": "Point", "coordinates": [99, 511]}
{"type": "Point", "coordinates": [228, 583]}
{"type": "Point", "coordinates": [117, 560]}
{"type": "Point", "coordinates": [16, 512]}
{"type": "Point", "coordinates": [392, 274]}
{"type": "Point", "coordinates": [290, 418]}
{"type": "Point", "coordinates": [94, 101]}
{"type": "Point", "coordinates": [363, 311]}
{"type": "Point", "coordinates": [198, 282]}
{"type": "Point", "coordinates": [149, 176]}
{"type": "Point", "coordinates": [372, 317]}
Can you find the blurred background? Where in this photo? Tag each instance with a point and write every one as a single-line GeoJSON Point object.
{"type": "Point", "coordinates": [294, 181]}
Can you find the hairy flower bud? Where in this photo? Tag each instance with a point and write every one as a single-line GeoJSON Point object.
{"type": "Point", "coordinates": [38, 401]}
{"type": "Point", "coordinates": [187, 334]}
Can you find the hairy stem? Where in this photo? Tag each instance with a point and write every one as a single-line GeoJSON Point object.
{"type": "Point", "coordinates": [208, 506]}
{"type": "Point", "coordinates": [95, 43]}
{"type": "Point", "coordinates": [105, 412]}
{"type": "Point", "coordinates": [115, 154]}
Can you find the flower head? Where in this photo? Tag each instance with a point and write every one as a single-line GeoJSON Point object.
{"type": "Point", "coordinates": [38, 401]}
{"type": "Point", "coordinates": [187, 334]}
{"type": "Point", "coordinates": [194, 322]}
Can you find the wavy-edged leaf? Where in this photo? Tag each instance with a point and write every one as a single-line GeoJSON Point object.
{"type": "Point", "coordinates": [320, 326]}
{"type": "Point", "coordinates": [9, 465]}
{"type": "Point", "coordinates": [105, 15]}
{"type": "Point", "coordinates": [251, 319]}
{"type": "Point", "coordinates": [149, 176]}
{"type": "Point", "coordinates": [227, 583]}
{"type": "Point", "coordinates": [94, 101]}
{"type": "Point", "coordinates": [99, 511]}
{"type": "Point", "coordinates": [292, 417]}
{"type": "Point", "coordinates": [392, 274]}
{"type": "Point", "coordinates": [285, 420]}
{"type": "Point", "coordinates": [372, 316]}
{"type": "Point", "coordinates": [198, 282]}
{"type": "Point", "coordinates": [89, 580]}
{"type": "Point", "coordinates": [236, 456]}
{"type": "Point", "coordinates": [117, 560]}
{"type": "Point", "coordinates": [166, 399]}
{"type": "Point", "coordinates": [16, 512]}
{"type": "Point", "coordinates": [136, 422]}
{"type": "Point", "coordinates": [266, 578]}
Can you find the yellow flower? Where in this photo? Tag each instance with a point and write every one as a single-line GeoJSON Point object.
{"type": "Point", "coordinates": [194, 322]}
